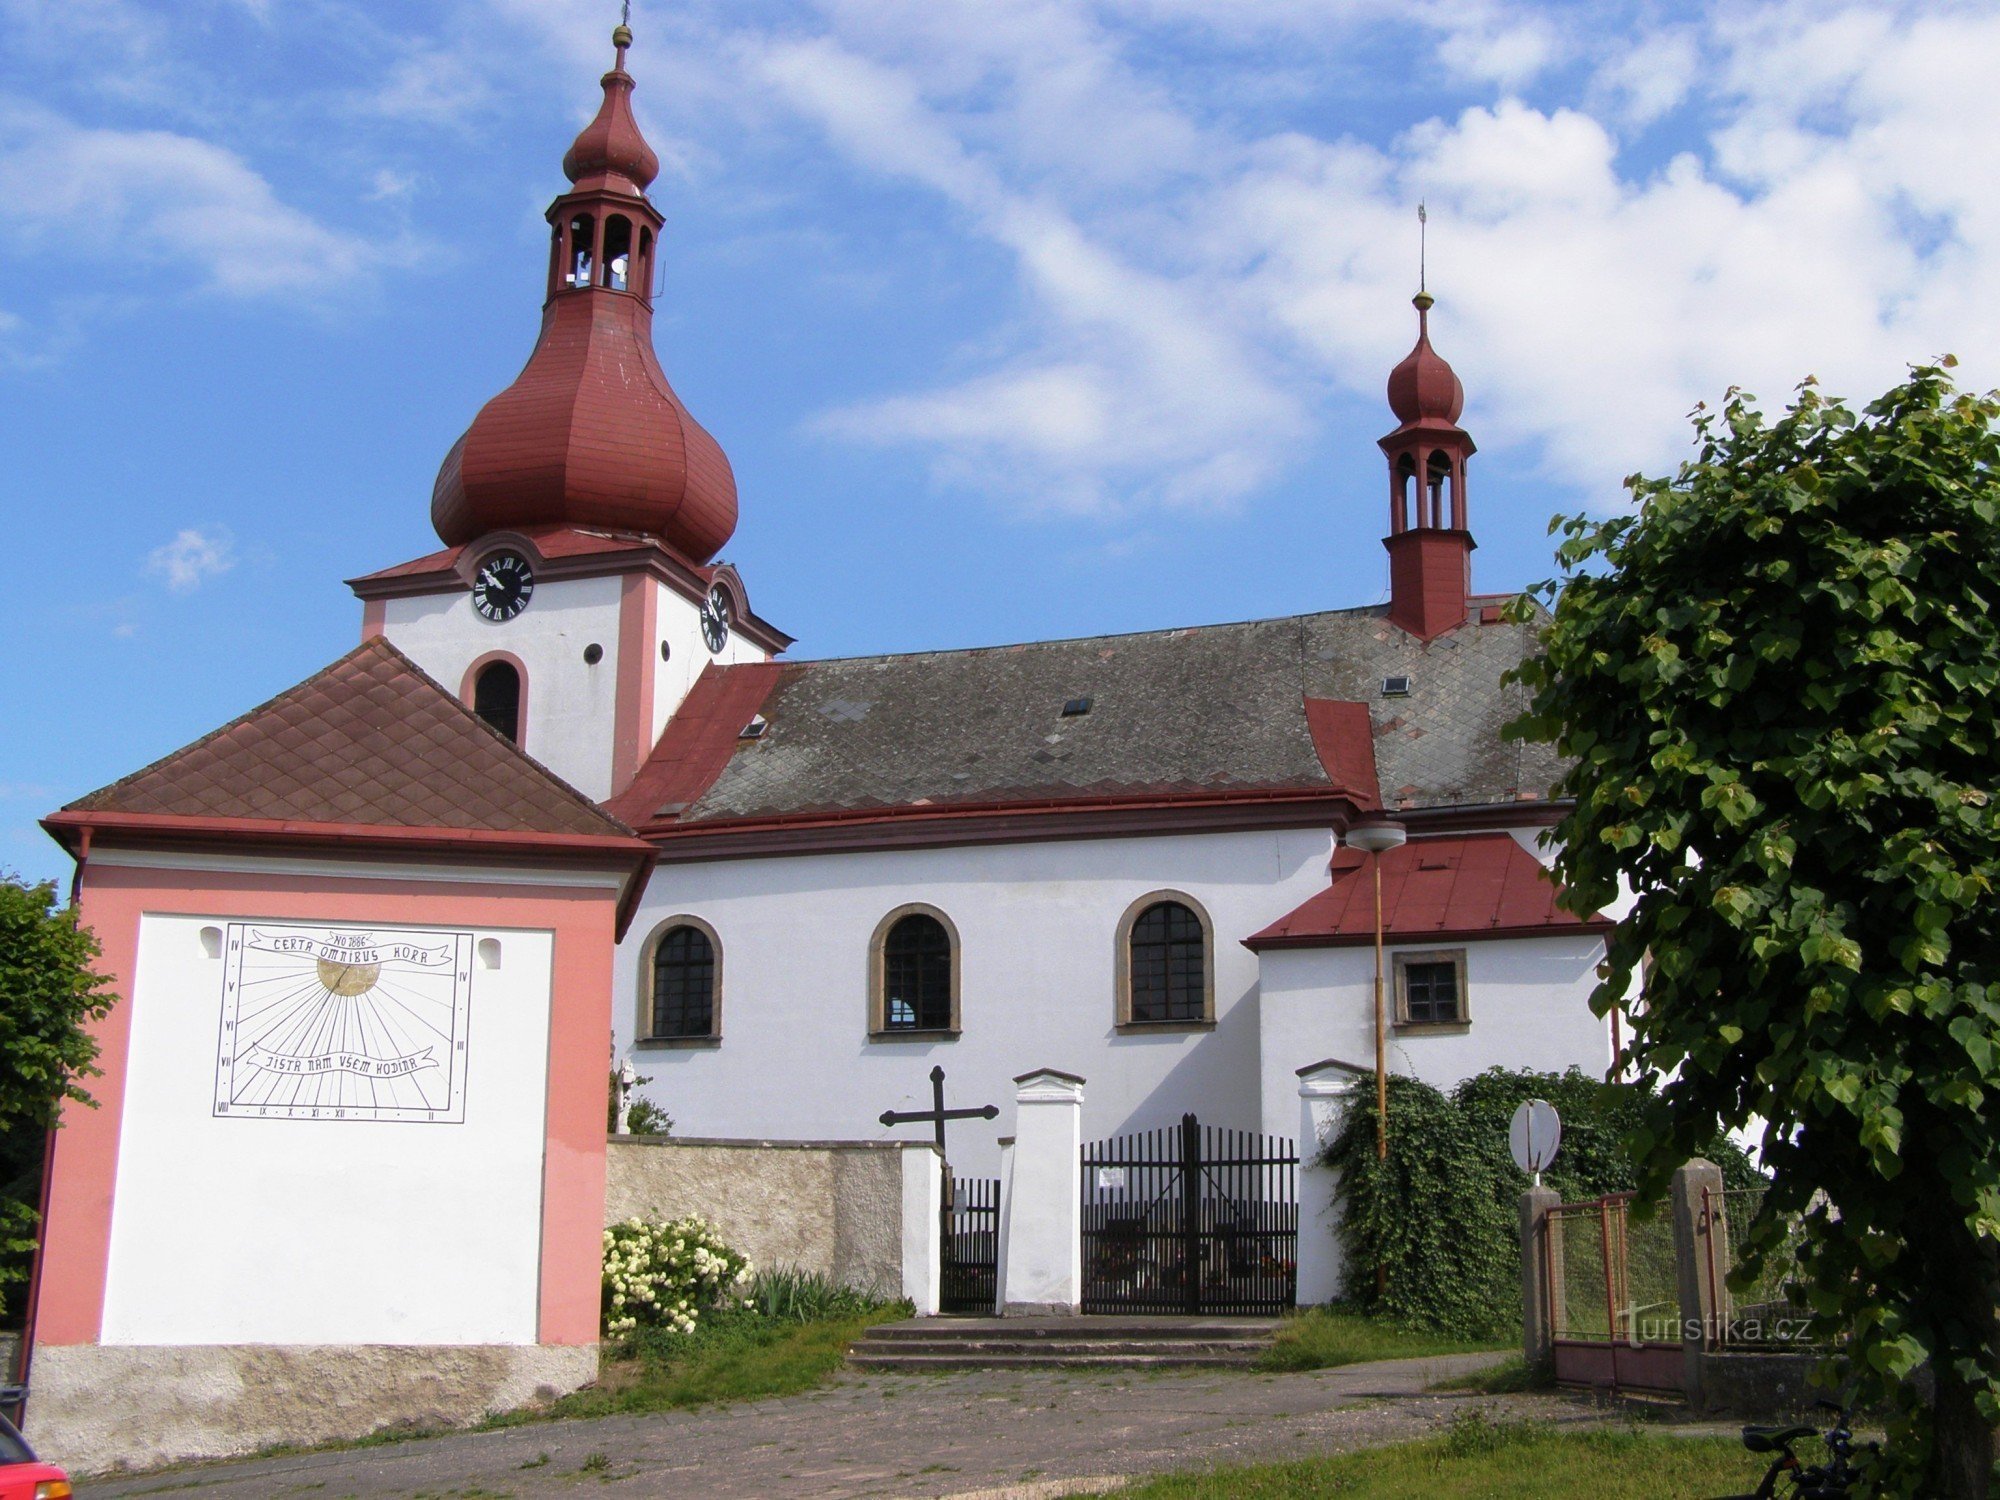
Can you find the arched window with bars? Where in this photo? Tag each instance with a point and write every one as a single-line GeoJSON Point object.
{"type": "Point", "coordinates": [914, 964]}
{"type": "Point", "coordinates": [683, 993]}
{"type": "Point", "coordinates": [1166, 956]}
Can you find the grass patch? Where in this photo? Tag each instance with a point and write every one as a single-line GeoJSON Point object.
{"type": "Point", "coordinates": [1322, 1338]}
{"type": "Point", "coordinates": [793, 1338]}
{"type": "Point", "coordinates": [1504, 1379]}
{"type": "Point", "coordinates": [1482, 1460]}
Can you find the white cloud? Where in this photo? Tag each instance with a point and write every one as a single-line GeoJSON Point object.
{"type": "Point", "coordinates": [1185, 296]}
{"type": "Point", "coordinates": [157, 195]}
{"type": "Point", "coordinates": [194, 556]}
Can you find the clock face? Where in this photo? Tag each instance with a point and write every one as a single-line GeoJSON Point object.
{"type": "Point", "coordinates": [715, 613]}
{"type": "Point", "coordinates": [503, 587]}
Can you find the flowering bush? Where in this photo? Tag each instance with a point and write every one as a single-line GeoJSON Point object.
{"type": "Point", "coordinates": [667, 1275]}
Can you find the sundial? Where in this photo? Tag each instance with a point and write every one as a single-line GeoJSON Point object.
{"type": "Point", "coordinates": [343, 1023]}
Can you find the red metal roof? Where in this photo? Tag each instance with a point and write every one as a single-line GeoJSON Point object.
{"type": "Point", "coordinates": [703, 733]}
{"type": "Point", "coordinates": [1453, 889]}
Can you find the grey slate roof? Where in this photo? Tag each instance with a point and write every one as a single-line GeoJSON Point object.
{"type": "Point", "coordinates": [1217, 707]}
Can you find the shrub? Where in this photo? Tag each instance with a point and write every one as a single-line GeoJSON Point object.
{"type": "Point", "coordinates": [789, 1295]}
{"type": "Point", "coordinates": [667, 1275]}
{"type": "Point", "coordinates": [1441, 1212]}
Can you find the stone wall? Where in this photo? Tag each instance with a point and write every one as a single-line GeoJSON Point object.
{"type": "Point", "coordinates": [835, 1207]}
{"type": "Point", "coordinates": [184, 1401]}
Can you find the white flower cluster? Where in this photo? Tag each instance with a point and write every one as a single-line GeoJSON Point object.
{"type": "Point", "coordinates": [667, 1275]}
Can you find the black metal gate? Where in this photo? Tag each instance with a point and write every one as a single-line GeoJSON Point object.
{"type": "Point", "coordinates": [1190, 1219]}
{"type": "Point", "coordinates": [971, 1246]}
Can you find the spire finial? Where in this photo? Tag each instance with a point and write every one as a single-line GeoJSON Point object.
{"type": "Point", "coordinates": [621, 34]}
{"type": "Point", "coordinates": [1423, 300]}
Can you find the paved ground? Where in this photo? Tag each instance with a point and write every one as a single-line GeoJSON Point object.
{"type": "Point", "coordinates": [889, 1435]}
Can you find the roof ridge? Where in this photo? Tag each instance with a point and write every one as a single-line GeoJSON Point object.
{"type": "Point", "coordinates": [1078, 640]}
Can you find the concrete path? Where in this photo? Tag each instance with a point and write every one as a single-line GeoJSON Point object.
{"type": "Point", "coordinates": [979, 1433]}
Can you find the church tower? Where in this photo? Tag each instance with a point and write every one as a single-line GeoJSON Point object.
{"type": "Point", "coordinates": [578, 597]}
{"type": "Point", "coordinates": [1430, 547]}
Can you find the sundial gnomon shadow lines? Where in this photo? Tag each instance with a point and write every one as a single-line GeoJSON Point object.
{"type": "Point", "coordinates": [343, 1023]}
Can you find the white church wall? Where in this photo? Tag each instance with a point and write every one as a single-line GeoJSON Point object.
{"type": "Point", "coordinates": [230, 1230]}
{"type": "Point", "coordinates": [571, 703]}
{"type": "Point", "coordinates": [1528, 1000]}
{"type": "Point", "coordinates": [678, 628]}
{"type": "Point", "coordinates": [1037, 924]}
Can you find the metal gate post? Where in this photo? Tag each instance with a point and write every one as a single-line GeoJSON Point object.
{"type": "Point", "coordinates": [1191, 1211]}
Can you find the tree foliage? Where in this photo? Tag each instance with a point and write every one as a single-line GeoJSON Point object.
{"type": "Point", "coordinates": [1777, 682]}
{"type": "Point", "coordinates": [49, 992]}
{"type": "Point", "coordinates": [1442, 1212]}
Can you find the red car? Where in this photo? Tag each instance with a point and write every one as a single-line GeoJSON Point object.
{"type": "Point", "coordinates": [22, 1475]}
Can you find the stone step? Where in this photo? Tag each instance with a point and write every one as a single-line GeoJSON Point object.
{"type": "Point", "coordinates": [1162, 1348]}
{"type": "Point", "coordinates": [1094, 1359]}
{"type": "Point", "coordinates": [1081, 1342]}
{"type": "Point", "coordinates": [1259, 1331]}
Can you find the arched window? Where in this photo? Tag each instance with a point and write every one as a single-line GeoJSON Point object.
{"type": "Point", "coordinates": [683, 993]}
{"type": "Point", "coordinates": [915, 963]}
{"type": "Point", "coordinates": [582, 233]}
{"type": "Point", "coordinates": [496, 697]}
{"type": "Point", "coordinates": [1166, 953]}
{"type": "Point", "coordinates": [642, 275]}
{"type": "Point", "coordinates": [618, 252]}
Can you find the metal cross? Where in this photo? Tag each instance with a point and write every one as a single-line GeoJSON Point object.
{"type": "Point", "coordinates": [937, 1114]}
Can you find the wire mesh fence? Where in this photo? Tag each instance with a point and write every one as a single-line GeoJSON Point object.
{"type": "Point", "coordinates": [1612, 1274]}
{"type": "Point", "coordinates": [1768, 1311]}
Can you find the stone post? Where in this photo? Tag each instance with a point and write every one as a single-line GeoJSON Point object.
{"type": "Point", "coordinates": [1541, 1278]}
{"type": "Point", "coordinates": [1326, 1093]}
{"type": "Point", "coordinates": [1701, 1260]}
{"type": "Point", "coordinates": [1000, 1233]}
{"type": "Point", "coordinates": [1044, 1223]}
{"type": "Point", "coordinates": [923, 1234]}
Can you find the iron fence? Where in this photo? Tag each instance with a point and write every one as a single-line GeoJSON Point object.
{"type": "Point", "coordinates": [1190, 1219]}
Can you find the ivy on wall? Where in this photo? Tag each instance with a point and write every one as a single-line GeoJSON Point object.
{"type": "Point", "coordinates": [1441, 1213]}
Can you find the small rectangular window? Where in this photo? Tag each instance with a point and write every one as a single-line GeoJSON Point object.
{"type": "Point", "coordinates": [1430, 989]}
{"type": "Point", "coordinates": [1395, 687]}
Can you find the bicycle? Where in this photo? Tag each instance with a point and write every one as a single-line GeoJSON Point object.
{"type": "Point", "coordinates": [1833, 1480]}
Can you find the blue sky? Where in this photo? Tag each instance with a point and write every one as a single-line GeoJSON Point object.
{"type": "Point", "coordinates": [1018, 318]}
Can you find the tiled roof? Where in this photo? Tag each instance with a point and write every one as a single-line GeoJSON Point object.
{"type": "Point", "coordinates": [1218, 710]}
{"type": "Point", "coordinates": [1446, 889]}
{"type": "Point", "coordinates": [369, 741]}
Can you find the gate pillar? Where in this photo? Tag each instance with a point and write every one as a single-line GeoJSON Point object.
{"type": "Point", "coordinates": [1326, 1093]}
{"type": "Point", "coordinates": [1541, 1278]}
{"type": "Point", "coordinates": [1043, 1224]}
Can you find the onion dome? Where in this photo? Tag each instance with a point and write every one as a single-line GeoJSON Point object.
{"type": "Point", "coordinates": [611, 152]}
{"type": "Point", "coordinates": [591, 433]}
{"type": "Point", "coordinates": [1423, 387]}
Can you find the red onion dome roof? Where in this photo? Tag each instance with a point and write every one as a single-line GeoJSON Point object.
{"type": "Point", "coordinates": [590, 434]}
{"type": "Point", "coordinates": [1423, 385]}
{"type": "Point", "coordinates": [610, 152]}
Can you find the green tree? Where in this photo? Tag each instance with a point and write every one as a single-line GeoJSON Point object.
{"type": "Point", "coordinates": [49, 993]}
{"type": "Point", "coordinates": [1779, 685]}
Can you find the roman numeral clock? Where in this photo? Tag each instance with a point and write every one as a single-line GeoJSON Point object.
{"type": "Point", "coordinates": [504, 586]}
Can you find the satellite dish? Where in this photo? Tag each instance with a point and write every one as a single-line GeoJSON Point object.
{"type": "Point", "coordinates": [1535, 1136]}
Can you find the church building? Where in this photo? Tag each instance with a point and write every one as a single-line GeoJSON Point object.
{"type": "Point", "coordinates": [573, 800]}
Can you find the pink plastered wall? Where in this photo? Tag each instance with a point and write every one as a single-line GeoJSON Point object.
{"type": "Point", "coordinates": [113, 898]}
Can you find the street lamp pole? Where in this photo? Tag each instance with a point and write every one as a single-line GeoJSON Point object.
{"type": "Point", "coordinates": [1376, 839]}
